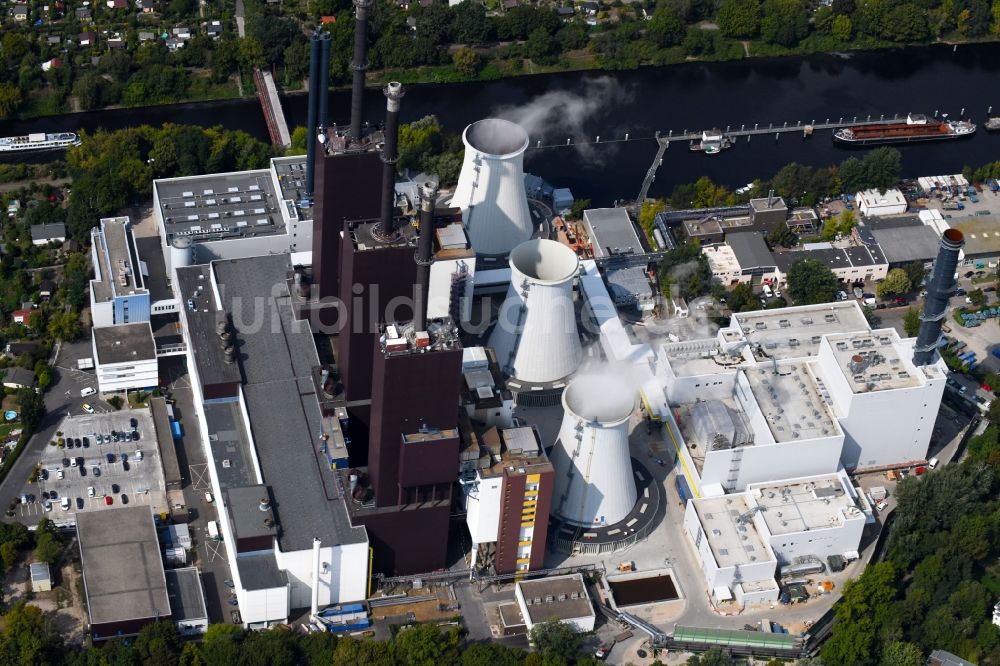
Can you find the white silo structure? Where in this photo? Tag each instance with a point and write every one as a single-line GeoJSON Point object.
{"type": "Point", "coordinates": [181, 251]}
{"type": "Point", "coordinates": [535, 338]}
{"type": "Point", "coordinates": [490, 188]}
{"type": "Point", "coordinates": [594, 484]}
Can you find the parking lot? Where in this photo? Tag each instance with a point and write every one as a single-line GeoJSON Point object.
{"type": "Point", "coordinates": [126, 471]}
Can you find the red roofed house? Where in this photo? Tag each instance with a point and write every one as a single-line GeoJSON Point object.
{"type": "Point", "coordinates": [22, 316]}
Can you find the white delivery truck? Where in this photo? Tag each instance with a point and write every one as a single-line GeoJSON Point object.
{"type": "Point", "coordinates": [213, 530]}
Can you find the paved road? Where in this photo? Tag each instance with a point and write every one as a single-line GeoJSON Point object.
{"type": "Point", "coordinates": [63, 398]}
{"type": "Point", "coordinates": [240, 28]}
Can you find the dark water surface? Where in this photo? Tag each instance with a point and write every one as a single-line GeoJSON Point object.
{"type": "Point", "coordinates": [692, 96]}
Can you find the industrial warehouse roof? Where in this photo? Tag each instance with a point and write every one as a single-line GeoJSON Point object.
{"type": "Point", "coordinates": [750, 249]}
{"type": "Point", "coordinates": [124, 343]}
{"type": "Point", "coordinates": [187, 598]}
{"type": "Point", "coordinates": [291, 172]}
{"type": "Point", "coordinates": [814, 503]}
{"type": "Point", "coordinates": [883, 364]}
{"type": "Point", "coordinates": [611, 232]}
{"type": "Point", "coordinates": [731, 534]}
{"type": "Point", "coordinates": [219, 206]}
{"type": "Point", "coordinates": [982, 235]}
{"type": "Point", "coordinates": [165, 441]}
{"type": "Point", "coordinates": [791, 402]}
{"type": "Point", "coordinates": [277, 358]}
{"type": "Point", "coordinates": [122, 570]}
{"type": "Point", "coordinates": [195, 286]}
{"type": "Point", "coordinates": [832, 258]}
{"type": "Point", "coordinates": [903, 244]}
{"type": "Point", "coordinates": [796, 332]}
{"type": "Point", "coordinates": [556, 597]}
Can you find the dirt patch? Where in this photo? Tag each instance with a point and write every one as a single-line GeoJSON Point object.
{"type": "Point", "coordinates": [64, 603]}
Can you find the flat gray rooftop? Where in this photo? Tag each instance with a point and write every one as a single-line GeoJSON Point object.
{"type": "Point", "coordinates": [124, 343]}
{"type": "Point", "coordinates": [244, 507]}
{"type": "Point", "coordinates": [905, 244]}
{"type": "Point", "coordinates": [151, 254]}
{"type": "Point", "coordinates": [791, 402]}
{"type": "Point", "coordinates": [750, 249]}
{"type": "Point", "coordinates": [807, 505]}
{"type": "Point", "coordinates": [122, 570]}
{"type": "Point", "coordinates": [260, 572]}
{"type": "Point", "coordinates": [628, 283]}
{"type": "Point", "coordinates": [734, 541]}
{"type": "Point", "coordinates": [291, 172]}
{"type": "Point", "coordinates": [187, 597]}
{"type": "Point", "coordinates": [195, 286]}
{"type": "Point", "coordinates": [118, 261]}
{"type": "Point", "coordinates": [612, 232]}
{"type": "Point", "coordinates": [873, 362]}
{"type": "Point", "coordinates": [796, 332]}
{"type": "Point", "coordinates": [553, 598]}
{"type": "Point", "coordinates": [278, 358]}
{"type": "Point", "coordinates": [230, 444]}
{"type": "Point", "coordinates": [220, 206]}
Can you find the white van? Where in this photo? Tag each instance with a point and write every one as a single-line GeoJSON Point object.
{"type": "Point", "coordinates": [932, 463]}
{"type": "Point", "coordinates": [213, 530]}
{"type": "Point", "coordinates": [767, 291]}
{"type": "Point", "coordinates": [90, 390]}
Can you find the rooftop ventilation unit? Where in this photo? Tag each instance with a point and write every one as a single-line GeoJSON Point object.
{"type": "Point", "coordinates": [594, 479]}
{"type": "Point", "coordinates": [490, 188]}
{"type": "Point", "coordinates": [535, 338]}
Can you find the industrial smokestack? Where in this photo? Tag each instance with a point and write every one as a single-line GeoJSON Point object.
{"type": "Point", "coordinates": [315, 56]}
{"type": "Point", "coordinates": [939, 290]}
{"type": "Point", "coordinates": [428, 196]}
{"type": "Point", "coordinates": [393, 93]}
{"type": "Point", "coordinates": [323, 110]}
{"type": "Point", "coordinates": [594, 480]}
{"type": "Point", "coordinates": [314, 605]}
{"type": "Point", "coordinates": [360, 65]}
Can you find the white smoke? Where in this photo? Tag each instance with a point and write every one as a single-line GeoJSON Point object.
{"type": "Point", "coordinates": [558, 115]}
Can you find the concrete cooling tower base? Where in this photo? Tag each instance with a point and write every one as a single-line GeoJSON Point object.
{"type": "Point", "coordinates": [647, 513]}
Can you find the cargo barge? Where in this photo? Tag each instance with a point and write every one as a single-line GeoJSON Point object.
{"type": "Point", "coordinates": [916, 128]}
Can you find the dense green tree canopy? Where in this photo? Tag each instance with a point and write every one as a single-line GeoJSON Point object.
{"type": "Point", "coordinates": [811, 281]}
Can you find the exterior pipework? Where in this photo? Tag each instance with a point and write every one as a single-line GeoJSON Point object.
{"type": "Point", "coordinates": [315, 57]}
{"type": "Point", "coordinates": [393, 93]}
{"type": "Point", "coordinates": [314, 605]}
{"type": "Point", "coordinates": [323, 90]}
{"type": "Point", "coordinates": [428, 195]}
{"type": "Point", "coordinates": [939, 290]}
{"type": "Point", "coordinates": [360, 65]}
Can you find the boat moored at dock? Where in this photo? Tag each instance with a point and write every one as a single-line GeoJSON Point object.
{"type": "Point", "coordinates": [917, 127]}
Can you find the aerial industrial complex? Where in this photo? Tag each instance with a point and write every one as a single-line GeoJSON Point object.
{"type": "Point", "coordinates": [391, 381]}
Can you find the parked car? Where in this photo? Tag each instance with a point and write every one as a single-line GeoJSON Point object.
{"type": "Point", "coordinates": [90, 491]}
{"type": "Point", "coordinates": [108, 500]}
{"type": "Point", "coordinates": [87, 408]}
{"type": "Point", "coordinates": [64, 504]}
{"type": "Point", "coordinates": [59, 474]}
{"type": "Point", "coordinates": [880, 507]}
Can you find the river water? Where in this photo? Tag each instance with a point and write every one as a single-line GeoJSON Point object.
{"type": "Point", "coordinates": [584, 105]}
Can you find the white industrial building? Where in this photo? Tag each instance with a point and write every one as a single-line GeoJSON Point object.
{"type": "Point", "coordinates": [740, 539]}
{"type": "Point", "coordinates": [779, 394]}
{"type": "Point", "coordinates": [125, 357]}
{"type": "Point", "coordinates": [289, 544]}
{"type": "Point", "coordinates": [811, 517]}
{"type": "Point", "coordinates": [876, 203]}
{"type": "Point", "coordinates": [736, 560]}
{"type": "Point", "coordinates": [233, 215]}
{"type": "Point", "coordinates": [118, 293]}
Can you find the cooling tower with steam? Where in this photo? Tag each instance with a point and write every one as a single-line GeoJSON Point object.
{"type": "Point", "coordinates": [594, 484]}
{"type": "Point", "coordinates": [535, 338]}
{"type": "Point", "coordinates": [490, 188]}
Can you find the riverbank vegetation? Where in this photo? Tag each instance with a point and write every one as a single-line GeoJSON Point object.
{"type": "Point", "coordinates": [112, 170]}
{"type": "Point", "coordinates": [798, 184]}
{"type": "Point", "coordinates": [58, 60]}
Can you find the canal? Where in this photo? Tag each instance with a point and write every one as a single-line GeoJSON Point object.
{"type": "Point", "coordinates": [581, 106]}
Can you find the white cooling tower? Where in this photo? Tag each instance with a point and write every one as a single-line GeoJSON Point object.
{"type": "Point", "coordinates": [535, 338]}
{"type": "Point", "coordinates": [490, 188]}
{"type": "Point", "coordinates": [594, 480]}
